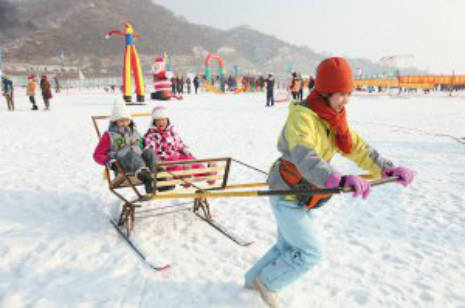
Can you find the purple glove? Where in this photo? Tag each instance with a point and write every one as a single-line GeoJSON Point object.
{"type": "Point", "coordinates": [405, 174]}
{"type": "Point", "coordinates": [361, 186]}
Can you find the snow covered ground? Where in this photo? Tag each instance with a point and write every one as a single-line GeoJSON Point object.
{"type": "Point", "coordinates": [400, 248]}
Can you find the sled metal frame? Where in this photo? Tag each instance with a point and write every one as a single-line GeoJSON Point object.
{"type": "Point", "coordinates": [191, 177]}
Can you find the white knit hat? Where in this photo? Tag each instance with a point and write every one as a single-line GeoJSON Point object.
{"type": "Point", "coordinates": [159, 112]}
{"type": "Point", "coordinates": [120, 111]}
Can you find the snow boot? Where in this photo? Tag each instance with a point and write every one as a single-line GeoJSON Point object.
{"type": "Point", "coordinates": [145, 177]}
{"type": "Point", "coordinates": [268, 296]}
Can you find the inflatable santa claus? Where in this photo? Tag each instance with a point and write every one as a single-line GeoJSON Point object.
{"type": "Point", "coordinates": [161, 81]}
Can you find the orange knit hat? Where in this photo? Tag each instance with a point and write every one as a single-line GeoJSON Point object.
{"type": "Point", "coordinates": [334, 75]}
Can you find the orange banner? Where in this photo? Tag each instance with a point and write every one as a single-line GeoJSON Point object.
{"type": "Point", "coordinates": [407, 81]}
{"type": "Point", "coordinates": [434, 79]}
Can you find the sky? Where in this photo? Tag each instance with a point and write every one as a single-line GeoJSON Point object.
{"type": "Point", "coordinates": [433, 31]}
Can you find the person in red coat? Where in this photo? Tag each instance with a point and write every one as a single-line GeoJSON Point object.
{"type": "Point", "coordinates": [46, 91]}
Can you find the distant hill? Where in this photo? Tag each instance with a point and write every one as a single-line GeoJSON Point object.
{"type": "Point", "coordinates": [34, 31]}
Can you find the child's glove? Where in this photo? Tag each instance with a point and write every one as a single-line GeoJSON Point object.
{"type": "Point", "coordinates": [111, 164]}
{"type": "Point", "coordinates": [405, 174]}
{"type": "Point", "coordinates": [360, 186]}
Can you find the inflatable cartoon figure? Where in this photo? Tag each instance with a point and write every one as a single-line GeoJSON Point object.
{"type": "Point", "coordinates": [131, 62]}
{"type": "Point", "coordinates": [161, 82]}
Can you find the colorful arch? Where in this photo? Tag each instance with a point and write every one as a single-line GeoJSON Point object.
{"type": "Point", "coordinates": [208, 61]}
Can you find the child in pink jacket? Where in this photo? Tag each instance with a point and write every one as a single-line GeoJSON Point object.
{"type": "Point", "coordinates": [167, 144]}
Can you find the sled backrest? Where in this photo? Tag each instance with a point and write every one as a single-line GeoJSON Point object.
{"type": "Point", "coordinates": [106, 117]}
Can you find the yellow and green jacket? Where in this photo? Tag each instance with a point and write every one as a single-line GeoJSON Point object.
{"type": "Point", "coordinates": [307, 141]}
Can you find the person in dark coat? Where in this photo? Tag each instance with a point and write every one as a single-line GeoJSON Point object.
{"type": "Point", "coordinates": [180, 85]}
{"type": "Point", "coordinates": [45, 87]}
{"type": "Point", "coordinates": [188, 84]}
{"type": "Point", "coordinates": [311, 83]}
{"type": "Point", "coordinates": [301, 90]}
{"type": "Point", "coordinates": [196, 83]}
{"type": "Point", "coordinates": [261, 82]}
{"type": "Point", "coordinates": [174, 81]}
{"type": "Point", "coordinates": [7, 89]}
{"type": "Point", "coordinates": [269, 82]}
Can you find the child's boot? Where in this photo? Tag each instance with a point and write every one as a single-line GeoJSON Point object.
{"type": "Point", "coordinates": [145, 177]}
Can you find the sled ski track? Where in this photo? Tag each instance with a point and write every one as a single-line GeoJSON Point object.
{"type": "Point", "coordinates": [137, 251]}
{"type": "Point", "coordinates": [218, 227]}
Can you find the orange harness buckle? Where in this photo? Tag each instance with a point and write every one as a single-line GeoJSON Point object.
{"type": "Point", "coordinates": [294, 180]}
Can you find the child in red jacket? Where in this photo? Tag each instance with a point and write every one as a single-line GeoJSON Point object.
{"type": "Point", "coordinates": [123, 144]}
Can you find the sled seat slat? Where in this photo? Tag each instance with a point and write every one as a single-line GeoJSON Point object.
{"type": "Point", "coordinates": [187, 190]}
{"type": "Point", "coordinates": [188, 172]}
{"type": "Point", "coordinates": [217, 173]}
{"type": "Point", "coordinates": [189, 180]}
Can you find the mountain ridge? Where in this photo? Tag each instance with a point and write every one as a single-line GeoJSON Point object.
{"type": "Point", "coordinates": [34, 32]}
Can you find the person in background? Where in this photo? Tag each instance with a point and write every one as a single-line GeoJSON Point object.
{"type": "Point", "coordinates": [301, 89]}
{"type": "Point", "coordinates": [223, 84]}
{"type": "Point", "coordinates": [46, 91]}
{"type": "Point", "coordinates": [261, 82]}
{"type": "Point", "coordinates": [295, 86]}
{"type": "Point", "coordinates": [174, 81]}
{"type": "Point", "coordinates": [311, 83]}
{"type": "Point", "coordinates": [31, 91]}
{"type": "Point", "coordinates": [180, 85]}
{"type": "Point", "coordinates": [269, 83]}
{"type": "Point", "coordinates": [8, 91]}
{"type": "Point", "coordinates": [188, 85]}
{"type": "Point", "coordinates": [196, 83]}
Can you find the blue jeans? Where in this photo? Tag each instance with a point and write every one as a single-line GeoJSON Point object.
{"type": "Point", "coordinates": [295, 252]}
